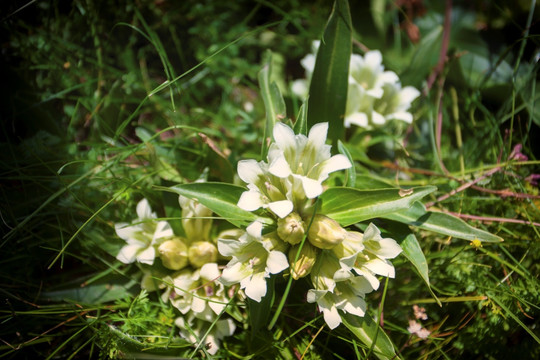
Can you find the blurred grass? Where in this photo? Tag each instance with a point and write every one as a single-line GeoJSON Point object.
{"type": "Point", "coordinates": [82, 141]}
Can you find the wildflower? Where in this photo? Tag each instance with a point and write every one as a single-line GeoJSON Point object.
{"type": "Point", "coordinates": [197, 292]}
{"type": "Point", "coordinates": [143, 237]}
{"type": "Point", "coordinates": [334, 292]}
{"type": "Point", "coordinates": [374, 96]}
{"type": "Point", "coordinates": [195, 330]}
{"type": "Point", "coordinates": [254, 258]}
{"type": "Point", "coordinates": [417, 329]}
{"type": "Point", "coordinates": [297, 166]}
{"type": "Point", "coordinates": [419, 312]}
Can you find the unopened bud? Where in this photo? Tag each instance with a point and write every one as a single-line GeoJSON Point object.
{"type": "Point", "coordinates": [173, 254]}
{"type": "Point", "coordinates": [306, 259]}
{"type": "Point", "coordinates": [291, 229]}
{"type": "Point", "coordinates": [202, 252]}
{"type": "Point", "coordinates": [325, 233]}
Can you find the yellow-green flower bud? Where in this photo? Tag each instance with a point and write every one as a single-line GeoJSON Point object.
{"type": "Point", "coordinates": [325, 233]}
{"type": "Point", "coordinates": [202, 252]}
{"type": "Point", "coordinates": [306, 259]}
{"type": "Point", "coordinates": [173, 254]}
{"type": "Point", "coordinates": [291, 229]}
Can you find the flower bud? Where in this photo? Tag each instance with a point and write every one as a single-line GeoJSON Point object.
{"type": "Point", "coordinates": [202, 252]}
{"type": "Point", "coordinates": [291, 229]}
{"type": "Point", "coordinates": [325, 233]}
{"type": "Point", "coordinates": [306, 259]}
{"type": "Point", "coordinates": [173, 254]}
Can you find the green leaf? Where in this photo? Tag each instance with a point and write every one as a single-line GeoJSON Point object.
{"type": "Point", "coordinates": [367, 331]}
{"type": "Point", "coordinates": [221, 198]}
{"type": "Point", "coordinates": [272, 98]}
{"type": "Point", "coordinates": [413, 252]}
{"type": "Point", "coordinates": [349, 206]}
{"type": "Point", "coordinates": [351, 172]}
{"type": "Point", "coordinates": [441, 223]}
{"type": "Point", "coordinates": [300, 125]}
{"type": "Point", "coordinates": [328, 89]}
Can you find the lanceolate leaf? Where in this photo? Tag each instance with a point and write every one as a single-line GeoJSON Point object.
{"type": "Point", "coordinates": [221, 198]}
{"type": "Point", "coordinates": [348, 206]}
{"type": "Point", "coordinates": [366, 330]}
{"type": "Point", "coordinates": [300, 126]}
{"type": "Point", "coordinates": [272, 98]}
{"type": "Point", "coordinates": [328, 89]}
{"type": "Point", "coordinates": [440, 223]}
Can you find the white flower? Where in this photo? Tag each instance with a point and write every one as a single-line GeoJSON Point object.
{"type": "Point", "coordinates": [198, 292]}
{"type": "Point", "coordinates": [254, 258]}
{"type": "Point", "coordinates": [336, 290]}
{"type": "Point", "coordinates": [193, 329]}
{"type": "Point", "coordinates": [297, 166]}
{"type": "Point", "coordinates": [142, 237]}
{"type": "Point", "coordinates": [373, 258]}
{"type": "Point", "coordinates": [374, 96]}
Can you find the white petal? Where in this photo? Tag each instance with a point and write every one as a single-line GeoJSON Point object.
{"type": "Point", "coordinates": [380, 267]}
{"type": "Point", "coordinates": [389, 249]}
{"type": "Point", "coordinates": [402, 115]}
{"type": "Point", "coordinates": [355, 305]}
{"type": "Point", "coordinates": [225, 327]}
{"type": "Point", "coordinates": [335, 163]}
{"type": "Point", "coordinates": [314, 295]}
{"type": "Point", "coordinates": [276, 262]}
{"type": "Point", "coordinates": [377, 118]}
{"type": "Point", "coordinates": [234, 274]}
{"type": "Point", "coordinates": [144, 211]}
{"type": "Point", "coordinates": [330, 313]}
{"type": "Point", "coordinates": [408, 94]}
{"type": "Point", "coordinates": [228, 247]}
{"type": "Point", "coordinates": [312, 188]}
{"type": "Point", "coordinates": [211, 344]}
{"type": "Point", "coordinates": [255, 287]}
{"type": "Point", "coordinates": [376, 93]}
{"type": "Point", "coordinates": [388, 77]}
{"type": "Point", "coordinates": [250, 200]}
{"type": "Point", "coordinates": [255, 229]}
{"type": "Point", "coordinates": [210, 271]}
{"type": "Point", "coordinates": [216, 307]}
{"type": "Point", "coordinates": [373, 59]}
{"type": "Point", "coordinates": [308, 62]}
{"type": "Point", "coordinates": [358, 119]}
{"type": "Point", "coordinates": [147, 255]}
{"type": "Point", "coordinates": [284, 137]}
{"type": "Point", "coordinates": [249, 170]}
{"type": "Point", "coordinates": [163, 230]}
{"type": "Point", "coordinates": [300, 88]}
{"type": "Point", "coordinates": [317, 134]}
{"type": "Point", "coordinates": [125, 231]}
{"type": "Point", "coordinates": [280, 167]}
{"type": "Point", "coordinates": [198, 304]}
{"type": "Point", "coordinates": [281, 208]}
{"type": "Point", "coordinates": [362, 285]}
{"type": "Point", "coordinates": [128, 253]}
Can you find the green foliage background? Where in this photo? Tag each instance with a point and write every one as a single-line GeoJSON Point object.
{"type": "Point", "coordinates": [82, 140]}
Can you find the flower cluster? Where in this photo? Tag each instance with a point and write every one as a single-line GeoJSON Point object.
{"type": "Point", "coordinates": [374, 96]}
{"type": "Point", "coordinates": [343, 265]}
{"type": "Point", "coordinates": [191, 284]}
